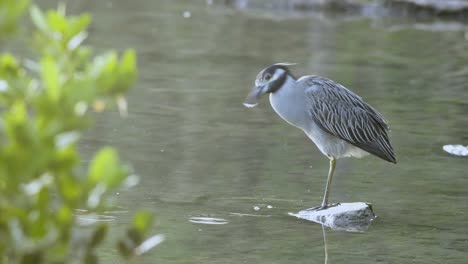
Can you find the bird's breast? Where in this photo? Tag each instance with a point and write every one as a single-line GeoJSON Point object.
{"type": "Point", "coordinates": [291, 106]}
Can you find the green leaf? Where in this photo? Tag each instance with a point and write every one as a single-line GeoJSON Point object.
{"type": "Point", "coordinates": [106, 168]}
{"type": "Point", "coordinates": [16, 115]}
{"type": "Point", "coordinates": [125, 247]}
{"type": "Point", "coordinates": [78, 24]}
{"type": "Point", "coordinates": [110, 65]}
{"type": "Point", "coordinates": [98, 236]}
{"type": "Point", "coordinates": [10, 12]}
{"type": "Point", "coordinates": [8, 60]}
{"type": "Point", "coordinates": [50, 77]}
{"type": "Point", "coordinates": [70, 188]}
{"type": "Point", "coordinates": [39, 19]}
{"type": "Point", "coordinates": [127, 71]}
{"type": "Point", "coordinates": [43, 102]}
{"type": "Point", "coordinates": [9, 66]}
{"type": "Point", "coordinates": [128, 62]}
{"type": "Point", "coordinates": [35, 256]}
{"type": "Point", "coordinates": [91, 258]}
{"type": "Point", "coordinates": [66, 157]}
{"type": "Point", "coordinates": [57, 22]}
{"type": "Point", "coordinates": [142, 221]}
{"type": "Point", "coordinates": [103, 70]}
{"type": "Point", "coordinates": [134, 236]}
{"type": "Point", "coordinates": [64, 215]}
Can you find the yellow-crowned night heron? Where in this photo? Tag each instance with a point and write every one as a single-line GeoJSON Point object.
{"type": "Point", "coordinates": [338, 121]}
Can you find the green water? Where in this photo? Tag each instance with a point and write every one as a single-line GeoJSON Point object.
{"type": "Point", "coordinates": [200, 153]}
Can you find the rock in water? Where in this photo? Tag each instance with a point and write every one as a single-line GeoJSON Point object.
{"type": "Point", "coordinates": [457, 150]}
{"type": "Point", "coordinates": [353, 217]}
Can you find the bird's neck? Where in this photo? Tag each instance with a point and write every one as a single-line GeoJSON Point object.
{"type": "Point", "coordinates": [288, 83]}
{"type": "Point", "coordinates": [289, 102]}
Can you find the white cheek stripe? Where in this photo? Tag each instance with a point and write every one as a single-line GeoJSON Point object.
{"type": "Point", "coordinates": [277, 75]}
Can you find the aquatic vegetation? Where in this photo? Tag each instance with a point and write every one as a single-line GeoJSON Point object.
{"type": "Point", "coordinates": [46, 105]}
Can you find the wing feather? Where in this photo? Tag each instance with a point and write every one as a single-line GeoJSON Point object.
{"type": "Point", "coordinates": [343, 114]}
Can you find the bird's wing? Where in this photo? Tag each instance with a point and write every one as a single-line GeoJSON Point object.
{"type": "Point", "coordinates": [343, 114]}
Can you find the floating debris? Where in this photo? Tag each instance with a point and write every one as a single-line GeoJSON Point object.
{"type": "Point", "coordinates": [457, 150]}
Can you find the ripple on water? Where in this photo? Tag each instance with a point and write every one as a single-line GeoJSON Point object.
{"type": "Point", "coordinates": [208, 220]}
{"type": "Point", "coordinates": [84, 217]}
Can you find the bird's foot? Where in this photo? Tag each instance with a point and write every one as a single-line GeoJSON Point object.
{"type": "Point", "coordinates": [323, 207]}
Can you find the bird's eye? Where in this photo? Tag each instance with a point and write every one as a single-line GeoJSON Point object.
{"type": "Point", "coordinates": [267, 77]}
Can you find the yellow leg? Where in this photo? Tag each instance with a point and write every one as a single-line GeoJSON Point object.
{"type": "Point", "coordinates": [327, 187]}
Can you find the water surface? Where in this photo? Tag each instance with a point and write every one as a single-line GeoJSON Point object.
{"type": "Point", "coordinates": [202, 155]}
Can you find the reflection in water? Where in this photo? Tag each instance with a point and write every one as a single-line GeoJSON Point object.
{"type": "Point", "coordinates": [325, 245]}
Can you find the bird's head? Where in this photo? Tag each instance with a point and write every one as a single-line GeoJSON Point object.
{"type": "Point", "coordinates": [269, 80]}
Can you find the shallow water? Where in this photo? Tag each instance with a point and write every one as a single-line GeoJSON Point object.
{"type": "Point", "coordinates": [202, 155]}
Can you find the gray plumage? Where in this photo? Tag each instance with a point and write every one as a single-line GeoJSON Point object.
{"type": "Point", "coordinates": [337, 120]}
{"type": "Point", "coordinates": [345, 115]}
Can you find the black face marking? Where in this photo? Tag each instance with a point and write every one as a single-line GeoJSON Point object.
{"type": "Point", "coordinates": [269, 72]}
{"type": "Point", "coordinates": [276, 84]}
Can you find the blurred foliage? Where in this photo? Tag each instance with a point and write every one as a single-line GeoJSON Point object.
{"type": "Point", "coordinates": [10, 12]}
{"type": "Point", "coordinates": [45, 105]}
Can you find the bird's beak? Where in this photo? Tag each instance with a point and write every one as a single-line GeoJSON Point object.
{"type": "Point", "coordinates": [253, 96]}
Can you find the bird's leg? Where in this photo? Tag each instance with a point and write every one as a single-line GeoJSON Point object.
{"type": "Point", "coordinates": [329, 180]}
{"type": "Point", "coordinates": [325, 204]}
